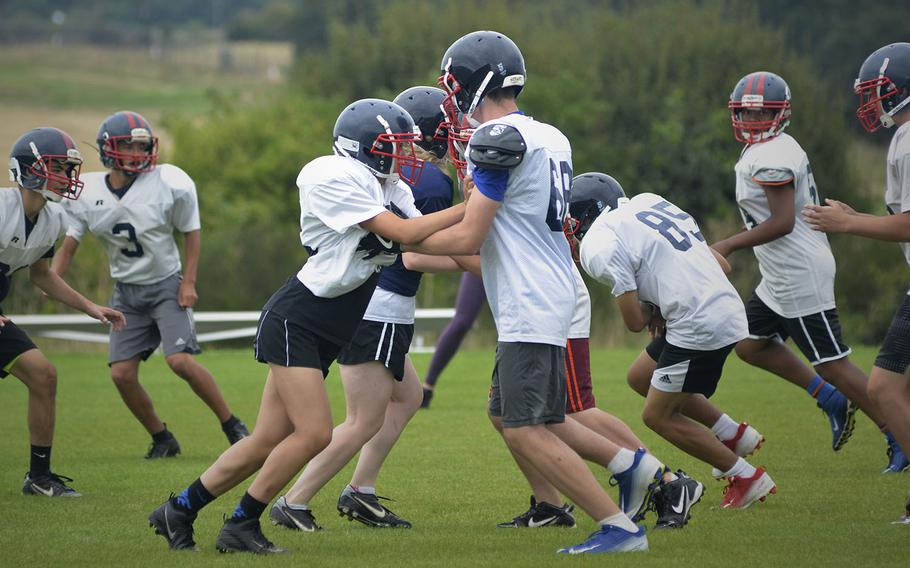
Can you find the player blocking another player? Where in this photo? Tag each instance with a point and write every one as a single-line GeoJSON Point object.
{"type": "Point", "coordinates": [655, 258]}
{"type": "Point", "coordinates": [44, 163]}
{"type": "Point", "coordinates": [134, 209]}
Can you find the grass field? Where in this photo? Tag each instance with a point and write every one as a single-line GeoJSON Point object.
{"type": "Point", "coordinates": [450, 475]}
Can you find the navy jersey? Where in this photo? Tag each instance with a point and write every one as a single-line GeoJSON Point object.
{"type": "Point", "coordinates": [433, 192]}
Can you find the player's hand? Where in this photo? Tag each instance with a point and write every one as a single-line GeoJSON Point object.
{"type": "Point", "coordinates": [107, 316]}
{"type": "Point", "coordinates": [3, 321]}
{"type": "Point", "coordinates": [379, 250]}
{"type": "Point", "coordinates": [187, 296]}
{"type": "Point", "coordinates": [842, 205]}
{"type": "Point", "coordinates": [657, 326]}
{"type": "Point", "coordinates": [830, 218]}
{"type": "Point", "coordinates": [720, 248]}
{"type": "Point", "coordinates": [468, 187]}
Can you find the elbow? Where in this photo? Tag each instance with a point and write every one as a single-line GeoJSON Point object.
{"type": "Point", "coordinates": [785, 228]}
{"type": "Point", "coordinates": [634, 324]}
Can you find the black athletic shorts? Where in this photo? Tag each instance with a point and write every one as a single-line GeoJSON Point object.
{"type": "Point", "coordinates": [287, 343]}
{"type": "Point", "coordinates": [380, 341]}
{"type": "Point", "coordinates": [13, 343]}
{"type": "Point", "coordinates": [894, 355]}
{"type": "Point", "coordinates": [686, 370]}
{"type": "Point", "coordinates": [529, 384]}
{"type": "Point", "coordinates": [817, 335]}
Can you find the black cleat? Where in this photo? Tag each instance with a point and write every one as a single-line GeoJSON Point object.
{"type": "Point", "coordinates": [673, 501]}
{"type": "Point", "coordinates": [427, 397]}
{"type": "Point", "coordinates": [174, 524]}
{"type": "Point", "coordinates": [164, 449]}
{"type": "Point", "coordinates": [365, 508]}
{"type": "Point", "coordinates": [245, 535]}
{"type": "Point", "coordinates": [295, 519]}
{"type": "Point", "coordinates": [235, 432]}
{"type": "Point", "coordinates": [542, 514]}
{"type": "Point", "coordinates": [49, 485]}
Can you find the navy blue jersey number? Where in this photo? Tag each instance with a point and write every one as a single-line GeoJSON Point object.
{"type": "Point", "coordinates": [136, 250]}
{"type": "Point", "coordinates": [813, 191]}
{"type": "Point", "coordinates": [560, 185]}
{"type": "Point", "coordinates": [660, 218]}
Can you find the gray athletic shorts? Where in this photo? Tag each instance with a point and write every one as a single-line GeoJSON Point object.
{"type": "Point", "coordinates": [153, 317]}
{"type": "Point", "coordinates": [529, 384]}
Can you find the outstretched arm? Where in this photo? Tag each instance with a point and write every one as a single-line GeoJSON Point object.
{"type": "Point", "coordinates": [53, 285]}
{"type": "Point", "coordinates": [64, 256]}
{"type": "Point", "coordinates": [410, 231]}
{"type": "Point", "coordinates": [465, 237]}
{"type": "Point", "coordinates": [187, 296]}
{"type": "Point", "coordinates": [837, 217]}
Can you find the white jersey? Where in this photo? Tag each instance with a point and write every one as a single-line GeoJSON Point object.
{"type": "Point", "coordinates": [581, 317]}
{"type": "Point", "coordinates": [17, 251]}
{"type": "Point", "coordinates": [338, 193]}
{"type": "Point", "coordinates": [137, 230]}
{"type": "Point", "coordinates": [525, 258]}
{"type": "Point", "coordinates": [651, 246]}
{"type": "Point", "coordinates": [897, 192]}
{"type": "Point", "coordinates": [798, 268]}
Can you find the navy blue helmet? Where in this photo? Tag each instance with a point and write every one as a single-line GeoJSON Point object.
{"type": "Point", "coordinates": [46, 160]}
{"type": "Point", "coordinates": [883, 86]}
{"type": "Point", "coordinates": [126, 127]}
{"type": "Point", "coordinates": [762, 91]}
{"type": "Point", "coordinates": [424, 104]}
{"type": "Point", "coordinates": [592, 194]}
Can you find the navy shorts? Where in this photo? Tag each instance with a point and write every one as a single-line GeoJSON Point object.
{"type": "Point", "coordinates": [894, 355]}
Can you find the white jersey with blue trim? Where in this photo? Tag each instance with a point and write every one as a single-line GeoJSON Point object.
{"type": "Point", "coordinates": [897, 188]}
{"type": "Point", "coordinates": [798, 268]}
{"type": "Point", "coordinates": [16, 250]}
{"type": "Point", "coordinates": [137, 230]}
{"type": "Point", "coordinates": [652, 246]}
{"type": "Point", "coordinates": [525, 258]}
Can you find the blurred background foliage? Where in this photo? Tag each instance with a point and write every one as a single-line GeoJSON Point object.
{"type": "Point", "coordinates": [640, 89]}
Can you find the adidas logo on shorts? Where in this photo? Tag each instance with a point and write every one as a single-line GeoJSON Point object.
{"type": "Point", "coordinates": [664, 379]}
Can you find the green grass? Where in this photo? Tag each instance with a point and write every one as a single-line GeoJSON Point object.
{"type": "Point", "coordinates": [450, 474]}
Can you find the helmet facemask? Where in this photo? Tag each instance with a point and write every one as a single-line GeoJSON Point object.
{"type": "Point", "coordinates": [397, 148]}
{"type": "Point", "coordinates": [54, 176]}
{"type": "Point", "coordinates": [752, 131]}
{"type": "Point", "coordinates": [872, 94]}
{"type": "Point", "coordinates": [114, 158]}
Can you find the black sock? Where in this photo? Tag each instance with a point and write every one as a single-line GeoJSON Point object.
{"type": "Point", "coordinates": [40, 461]}
{"type": "Point", "coordinates": [229, 423]}
{"type": "Point", "coordinates": [194, 497]}
{"type": "Point", "coordinates": [162, 436]}
{"type": "Point", "coordinates": [249, 508]}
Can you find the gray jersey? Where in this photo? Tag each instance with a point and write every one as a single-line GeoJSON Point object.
{"type": "Point", "coordinates": [651, 246]}
{"type": "Point", "coordinates": [897, 192]}
{"type": "Point", "coordinates": [798, 268]}
{"type": "Point", "coordinates": [525, 258]}
{"type": "Point", "coordinates": [137, 230]}
{"type": "Point", "coordinates": [17, 251]}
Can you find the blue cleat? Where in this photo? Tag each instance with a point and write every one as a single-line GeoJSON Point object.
{"type": "Point", "coordinates": [610, 538]}
{"type": "Point", "coordinates": [840, 411]}
{"type": "Point", "coordinates": [897, 460]}
{"type": "Point", "coordinates": [637, 484]}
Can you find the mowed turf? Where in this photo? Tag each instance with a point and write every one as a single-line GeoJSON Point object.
{"type": "Point", "coordinates": [450, 475]}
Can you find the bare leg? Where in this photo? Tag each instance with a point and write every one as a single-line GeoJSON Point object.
{"type": "Point", "coordinates": [850, 380]}
{"type": "Point", "coordinates": [609, 426]}
{"type": "Point", "coordinates": [125, 375]}
{"type": "Point", "coordinates": [775, 357]}
{"type": "Point", "coordinates": [40, 376]}
{"type": "Point", "coordinates": [543, 490]}
{"type": "Point", "coordinates": [698, 408]}
{"type": "Point", "coordinates": [201, 381]}
{"type": "Point", "coordinates": [891, 392]}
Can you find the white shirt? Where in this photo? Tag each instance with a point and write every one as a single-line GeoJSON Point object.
{"type": "Point", "coordinates": [526, 263]}
{"type": "Point", "coordinates": [17, 251]}
{"type": "Point", "coordinates": [137, 231]}
{"type": "Point", "coordinates": [798, 268]}
{"type": "Point", "coordinates": [581, 317]}
{"type": "Point", "coordinates": [651, 246]}
{"type": "Point", "coordinates": [897, 189]}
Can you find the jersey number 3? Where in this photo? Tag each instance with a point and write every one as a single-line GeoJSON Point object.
{"type": "Point", "coordinates": [660, 217]}
{"type": "Point", "coordinates": [135, 250]}
{"type": "Point", "coordinates": [560, 185]}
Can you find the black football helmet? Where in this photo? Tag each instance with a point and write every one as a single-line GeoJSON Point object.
{"type": "Point", "coordinates": [46, 160]}
{"type": "Point", "coordinates": [476, 64]}
{"type": "Point", "coordinates": [760, 91]}
{"type": "Point", "coordinates": [380, 134]}
{"type": "Point", "coordinates": [883, 86]}
{"type": "Point", "coordinates": [424, 104]}
{"type": "Point", "coordinates": [126, 126]}
{"type": "Point", "coordinates": [592, 194]}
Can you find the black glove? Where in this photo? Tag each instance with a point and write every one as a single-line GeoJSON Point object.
{"type": "Point", "coordinates": [379, 250]}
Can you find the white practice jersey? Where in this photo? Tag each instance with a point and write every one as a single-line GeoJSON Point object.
{"type": "Point", "coordinates": [651, 246]}
{"type": "Point", "coordinates": [137, 230]}
{"type": "Point", "coordinates": [17, 251]}
{"type": "Point", "coordinates": [525, 258]}
{"type": "Point", "coordinates": [897, 192]}
{"type": "Point", "coordinates": [338, 193]}
{"type": "Point", "coordinates": [797, 269]}
{"type": "Point", "coordinates": [581, 317]}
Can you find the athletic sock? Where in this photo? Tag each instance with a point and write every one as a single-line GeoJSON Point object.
{"type": "Point", "coordinates": [248, 508]}
{"type": "Point", "coordinates": [741, 468]}
{"type": "Point", "coordinates": [296, 506]}
{"type": "Point", "coordinates": [725, 428]}
{"type": "Point", "coordinates": [40, 461]}
{"type": "Point", "coordinates": [620, 520]}
{"type": "Point", "coordinates": [622, 461]}
{"type": "Point", "coordinates": [229, 423]}
{"type": "Point", "coordinates": [820, 390]}
{"type": "Point", "coordinates": [364, 489]}
{"type": "Point", "coordinates": [194, 497]}
{"type": "Point", "coordinates": [162, 436]}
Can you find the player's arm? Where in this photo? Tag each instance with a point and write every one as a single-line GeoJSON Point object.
{"type": "Point", "coordinates": [432, 263]}
{"type": "Point", "coordinates": [724, 265]}
{"type": "Point", "coordinates": [192, 246]}
{"type": "Point", "coordinates": [411, 231]}
{"type": "Point", "coordinates": [835, 217]}
{"type": "Point", "coordinates": [64, 255]}
{"type": "Point", "coordinates": [637, 315]}
{"type": "Point", "coordinates": [54, 286]}
{"type": "Point", "coordinates": [463, 238]}
{"type": "Point", "coordinates": [782, 203]}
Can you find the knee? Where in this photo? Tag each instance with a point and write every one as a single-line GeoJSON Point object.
{"type": "Point", "coordinates": [879, 391]}
{"type": "Point", "coordinates": [124, 378]}
{"type": "Point", "coordinates": [496, 421]}
{"type": "Point", "coordinates": [652, 418]}
{"type": "Point", "coordinates": [44, 381]}
{"type": "Point", "coordinates": [746, 350]}
{"type": "Point", "coordinates": [638, 381]}
{"type": "Point", "coordinates": [320, 439]}
{"type": "Point", "coordinates": [180, 364]}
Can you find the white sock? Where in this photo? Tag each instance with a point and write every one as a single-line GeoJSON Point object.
{"type": "Point", "coordinates": [622, 521]}
{"type": "Point", "coordinates": [296, 506]}
{"type": "Point", "coordinates": [367, 490]}
{"type": "Point", "coordinates": [622, 461]}
{"type": "Point", "coordinates": [741, 468]}
{"type": "Point", "coordinates": [725, 428]}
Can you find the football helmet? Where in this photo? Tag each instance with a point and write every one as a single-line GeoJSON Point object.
{"type": "Point", "coordinates": [126, 127]}
{"type": "Point", "coordinates": [379, 134]}
{"type": "Point", "coordinates": [46, 160]}
{"type": "Point", "coordinates": [883, 86]}
{"type": "Point", "coordinates": [476, 64]}
{"type": "Point", "coordinates": [759, 91]}
{"type": "Point", "coordinates": [592, 194]}
{"type": "Point", "coordinates": [424, 104]}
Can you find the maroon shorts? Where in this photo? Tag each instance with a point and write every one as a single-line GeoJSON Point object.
{"type": "Point", "coordinates": [579, 390]}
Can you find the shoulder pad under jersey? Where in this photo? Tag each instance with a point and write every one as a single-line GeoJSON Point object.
{"type": "Point", "coordinates": [497, 147]}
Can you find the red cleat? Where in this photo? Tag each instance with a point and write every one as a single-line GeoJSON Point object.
{"type": "Point", "coordinates": [741, 492]}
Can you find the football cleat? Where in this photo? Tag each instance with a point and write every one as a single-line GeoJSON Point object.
{"type": "Point", "coordinates": [283, 515]}
{"type": "Point", "coordinates": [746, 441]}
{"type": "Point", "coordinates": [840, 411]}
{"type": "Point", "coordinates": [673, 501]}
{"type": "Point", "coordinates": [542, 514]}
{"type": "Point", "coordinates": [175, 524]}
{"type": "Point", "coordinates": [637, 484]}
{"type": "Point", "coordinates": [164, 449]}
{"type": "Point", "coordinates": [610, 539]}
{"type": "Point", "coordinates": [49, 485]}
{"type": "Point", "coordinates": [897, 460]}
{"type": "Point", "coordinates": [741, 492]}
{"type": "Point", "coordinates": [236, 432]}
{"type": "Point", "coordinates": [905, 520]}
{"type": "Point", "coordinates": [366, 508]}
{"type": "Point", "coordinates": [245, 535]}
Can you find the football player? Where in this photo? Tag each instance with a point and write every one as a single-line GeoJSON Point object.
{"type": "Point", "coordinates": [349, 234]}
{"type": "Point", "coordinates": [134, 209]}
{"type": "Point", "coordinates": [795, 297]}
{"type": "Point", "coordinates": [883, 86]}
{"type": "Point", "coordinates": [665, 277]}
{"type": "Point", "coordinates": [45, 165]}
{"type": "Point", "coordinates": [522, 172]}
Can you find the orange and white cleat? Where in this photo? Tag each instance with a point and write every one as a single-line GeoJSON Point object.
{"type": "Point", "coordinates": [741, 492]}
